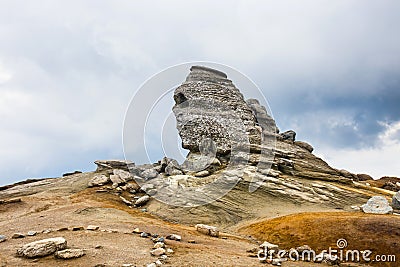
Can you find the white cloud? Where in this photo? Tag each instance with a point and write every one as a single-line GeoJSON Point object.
{"type": "Point", "coordinates": [382, 160]}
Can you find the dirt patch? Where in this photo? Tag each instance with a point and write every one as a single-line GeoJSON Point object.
{"type": "Point", "coordinates": [378, 233]}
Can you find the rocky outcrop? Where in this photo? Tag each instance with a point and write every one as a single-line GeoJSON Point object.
{"type": "Point", "coordinates": [289, 135]}
{"type": "Point", "coordinates": [103, 165]}
{"type": "Point", "coordinates": [212, 115]}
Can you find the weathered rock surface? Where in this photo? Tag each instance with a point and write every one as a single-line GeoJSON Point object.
{"type": "Point", "coordinates": [377, 205]}
{"type": "Point", "coordinates": [99, 180]}
{"type": "Point", "coordinates": [69, 254]}
{"type": "Point", "coordinates": [207, 230]}
{"type": "Point", "coordinates": [289, 135]}
{"type": "Point", "coordinates": [396, 201]}
{"type": "Point", "coordinates": [142, 201]}
{"type": "Point", "coordinates": [3, 238]}
{"type": "Point", "coordinates": [42, 248]}
{"type": "Point", "coordinates": [304, 145]}
{"type": "Point", "coordinates": [103, 165]}
{"type": "Point", "coordinates": [209, 106]}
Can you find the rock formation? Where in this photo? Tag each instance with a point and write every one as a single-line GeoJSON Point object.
{"type": "Point", "coordinates": [208, 107]}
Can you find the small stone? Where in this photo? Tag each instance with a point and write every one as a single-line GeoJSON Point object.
{"type": "Point", "coordinates": [127, 265]}
{"type": "Point", "coordinates": [151, 265]}
{"type": "Point", "coordinates": [163, 258]}
{"type": "Point", "coordinates": [98, 247]}
{"type": "Point", "coordinates": [3, 238]}
{"type": "Point", "coordinates": [32, 233]}
{"type": "Point", "coordinates": [69, 254]}
{"type": "Point", "coordinates": [202, 173]}
{"type": "Point", "coordinates": [159, 245]}
{"type": "Point", "coordinates": [144, 235]}
{"type": "Point", "coordinates": [192, 241]}
{"type": "Point", "coordinates": [77, 228]}
{"type": "Point", "coordinates": [152, 192]}
{"type": "Point", "coordinates": [127, 202]}
{"type": "Point", "coordinates": [143, 210]}
{"type": "Point", "coordinates": [157, 252]}
{"type": "Point", "coordinates": [174, 237]}
{"type": "Point", "coordinates": [142, 201]}
{"type": "Point", "coordinates": [93, 227]}
{"type": "Point", "coordinates": [17, 235]}
{"type": "Point", "coordinates": [47, 231]}
{"type": "Point", "coordinates": [136, 231]}
{"type": "Point", "coordinates": [170, 250]}
{"type": "Point", "coordinates": [158, 263]}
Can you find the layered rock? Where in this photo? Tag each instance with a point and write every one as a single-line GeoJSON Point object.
{"type": "Point", "coordinates": [212, 115]}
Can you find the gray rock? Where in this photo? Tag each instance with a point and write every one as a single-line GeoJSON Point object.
{"type": "Point", "coordinates": [208, 107]}
{"type": "Point", "coordinates": [3, 238]}
{"type": "Point", "coordinates": [304, 145]}
{"type": "Point", "coordinates": [153, 264]}
{"type": "Point", "coordinates": [363, 177]}
{"type": "Point", "coordinates": [31, 233]}
{"type": "Point", "coordinates": [173, 168]}
{"type": "Point", "coordinates": [266, 122]}
{"type": "Point", "coordinates": [207, 230]}
{"type": "Point", "coordinates": [42, 248]}
{"type": "Point", "coordinates": [149, 174]}
{"type": "Point", "coordinates": [377, 205]}
{"type": "Point", "coordinates": [124, 175]}
{"type": "Point", "coordinates": [146, 187]}
{"type": "Point", "coordinates": [117, 180]}
{"type": "Point", "coordinates": [17, 235]}
{"type": "Point", "coordinates": [157, 252]}
{"type": "Point", "coordinates": [396, 201]}
{"type": "Point", "coordinates": [289, 135]}
{"type": "Point", "coordinates": [142, 201]}
{"type": "Point", "coordinates": [69, 254]}
{"type": "Point", "coordinates": [99, 180]}
{"type": "Point", "coordinates": [114, 164]}
{"type": "Point", "coordinates": [174, 237]}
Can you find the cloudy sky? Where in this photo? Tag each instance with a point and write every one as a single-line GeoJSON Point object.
{"type": "Point", "coordinates": [330, 71]}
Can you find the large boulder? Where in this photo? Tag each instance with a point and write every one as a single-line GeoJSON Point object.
{"type": "Point", "coordinates": [42, 248]}
{"type": "Point", "coordinates": [207, 107]}
{"type": "Point", "coordinates": [289, 135]}
{"type": "Point", "coordinates": [396, 201]}
{"type": "Point", "coordinates": [377, 205]}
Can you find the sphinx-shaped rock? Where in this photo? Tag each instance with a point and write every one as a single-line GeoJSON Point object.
{"type": "Point", "coordinates": [212, 115]}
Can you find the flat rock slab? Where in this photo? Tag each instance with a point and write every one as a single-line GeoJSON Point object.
{"type": "Point", "coordinates": [42, 248]}
{"type": "Point", "coordinates": [70, 254]}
